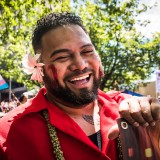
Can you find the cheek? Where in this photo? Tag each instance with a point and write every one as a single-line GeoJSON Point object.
{"type": "Point", "coordinates": [53, 74]}
{"type": "Point", "coordinates": [57, 74]}
{"type": "Point", "coordinates": [98, 64]}
{"type": "Point", "coordinates": [54, 71]}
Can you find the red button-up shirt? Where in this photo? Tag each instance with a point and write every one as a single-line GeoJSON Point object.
{"type": "Point", "coordinates": [24, 133]}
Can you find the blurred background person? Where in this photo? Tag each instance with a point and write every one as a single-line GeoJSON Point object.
{"type": "Point", "coordinates": [23, 99]}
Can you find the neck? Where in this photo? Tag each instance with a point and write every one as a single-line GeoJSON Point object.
{"type": "Point", "coordinates": [86, 116]}
{"type": "Point", "coordinates": [71, 109]}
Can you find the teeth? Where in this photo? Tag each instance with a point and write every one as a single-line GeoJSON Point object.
{"type": "Point", "coordinates": [79, 78]}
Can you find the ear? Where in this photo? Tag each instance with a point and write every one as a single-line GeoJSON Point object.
{"type": "Point", "coordinates": [101, 71]}
{"type": "Point", "coordinates": [40, 57]}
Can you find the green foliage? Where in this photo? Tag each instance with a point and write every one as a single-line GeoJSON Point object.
{"type": "Point", "coordinates": [17, 20]}
{"type": "Point", "coordinates": [126, 55]}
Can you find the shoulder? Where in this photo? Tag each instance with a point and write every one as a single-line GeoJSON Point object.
{"type": "Point", "coordinates": [7, 120]}
{"type": "Point", "coordinates": [116, 96]}
{"type": "Point", "coordinates": [18, 115]}
{"type": "Point", "coordinates": [19, 132]}
{"type": "Point", "coordinates": [16, 122]}
{"type": "Point", "coordinates": [33, 105]}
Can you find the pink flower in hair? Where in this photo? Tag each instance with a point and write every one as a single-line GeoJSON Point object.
{"type": "Point", "coordinates": [31, 66]}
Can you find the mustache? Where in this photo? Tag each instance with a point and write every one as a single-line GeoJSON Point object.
{"type": "Point", "coordinates": [78, 73]}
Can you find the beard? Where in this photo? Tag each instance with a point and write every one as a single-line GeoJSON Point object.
{"type": "Point", "coordinates": [85, 96]}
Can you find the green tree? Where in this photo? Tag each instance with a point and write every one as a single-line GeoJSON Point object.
{"type": "Point", "coordinates": [126, 55]}
{"type": "Point", "coordinates": [17, 19]}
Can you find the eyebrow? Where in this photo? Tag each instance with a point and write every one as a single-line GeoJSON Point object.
{"type": "Point", "coordinates": [68, 50]}
{"type": "Point", "coordinates": [86, 45]}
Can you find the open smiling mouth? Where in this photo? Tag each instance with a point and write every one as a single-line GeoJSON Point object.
{"type": "Point", "coordinates": [81, 79]}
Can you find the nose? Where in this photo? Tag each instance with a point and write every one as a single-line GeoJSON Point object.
{"type": "Point", "coordinates": [78, 63]}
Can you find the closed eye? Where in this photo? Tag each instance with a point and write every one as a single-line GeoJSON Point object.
{"type": "Point", "coordinates": [62, 58]}
{"type": "Point", "coordinates": [87, 52]}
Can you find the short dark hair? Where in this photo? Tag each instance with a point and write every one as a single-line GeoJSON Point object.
{"type": "Point", "coordinates": [53, 21]}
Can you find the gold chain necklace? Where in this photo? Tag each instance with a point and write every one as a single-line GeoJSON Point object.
{"type": "Point", "coordinates": [54, 139]}
{"type": "Point", "coordinates": [119, 148]}
{"type": "Point", "coordinates": [56, 145]}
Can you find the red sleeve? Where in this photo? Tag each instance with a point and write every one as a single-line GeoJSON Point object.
{"type": "Point", "coordinates": [118, 96]}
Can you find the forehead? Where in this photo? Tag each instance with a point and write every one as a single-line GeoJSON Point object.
{"type": "Point", "coordinates": [65, 35]}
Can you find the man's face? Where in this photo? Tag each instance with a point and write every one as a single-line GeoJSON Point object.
{"type": "Point", "coordinates": [72, 66]}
